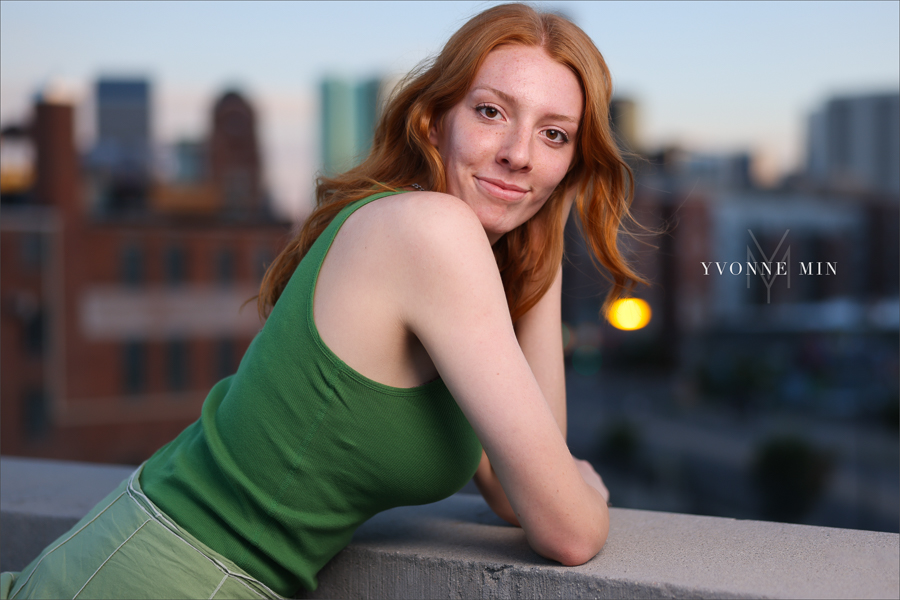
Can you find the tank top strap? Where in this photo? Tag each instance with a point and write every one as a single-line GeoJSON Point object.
{"type": "Point", "coordinates": [320, 247]}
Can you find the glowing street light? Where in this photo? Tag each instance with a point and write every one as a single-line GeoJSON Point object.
{"type": "Point", "coordinates": [629, 314]}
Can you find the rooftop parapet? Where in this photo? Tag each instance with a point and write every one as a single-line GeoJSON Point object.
{"type": "Point", "coordinates": [458, 548]}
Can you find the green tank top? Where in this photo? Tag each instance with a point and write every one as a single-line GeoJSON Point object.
{"type": "Point", "coordinates": [296, 450]}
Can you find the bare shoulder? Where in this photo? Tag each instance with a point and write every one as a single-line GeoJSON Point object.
{"type": "Point", "coordinates": [443, 266]}
{"type": "Point", "coordinates": [431, 211]}
{"type": "Point", "coordinates": [423, 225]}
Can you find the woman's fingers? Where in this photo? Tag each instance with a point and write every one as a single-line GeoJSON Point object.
{"type": "Point", "coordinates": [592, 477]}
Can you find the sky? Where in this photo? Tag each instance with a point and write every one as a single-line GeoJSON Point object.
{"type": "Point", "coordinates": [711, 76]}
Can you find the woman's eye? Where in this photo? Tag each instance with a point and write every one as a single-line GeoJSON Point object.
{"type": "Point", "coordinates": [555, 135]}
{"type": "Point", "coordinates": [489, 111]}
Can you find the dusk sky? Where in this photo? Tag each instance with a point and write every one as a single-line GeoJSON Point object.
{"type": "Point", "coordinates": [710, 76]}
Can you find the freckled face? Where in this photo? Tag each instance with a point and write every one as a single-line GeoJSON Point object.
{"type": "Point", "coordinates": [511, 140]}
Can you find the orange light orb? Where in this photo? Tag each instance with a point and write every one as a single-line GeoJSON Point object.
{"type": "Point", "coordinates": [629, 314]}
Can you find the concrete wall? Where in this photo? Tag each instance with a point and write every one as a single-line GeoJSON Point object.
{"type": "Point", "coordinates": [458, 548]}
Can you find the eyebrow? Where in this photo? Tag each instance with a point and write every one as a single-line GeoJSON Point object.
{"type": "Point", "coordinates": [511, 100]}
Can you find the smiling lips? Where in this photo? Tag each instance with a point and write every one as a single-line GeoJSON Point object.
{"type": "Point", "coordinates": [500, 189]}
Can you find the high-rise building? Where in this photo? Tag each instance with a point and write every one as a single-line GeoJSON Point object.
{"type": "Point", "coordinates": [350, 112]}
{"type": "Point", "coordinates": [122, 157]}
{"type": "Point", "coordinates": [190, 162]}
{"type": "Point", "coordinates": [338, 126]}
{"type": "Point", "coordinates": [123, 118]}
{"type": "Point", "coordinates": [623, 118]}
{"type": "Point", "coordinates": [853, 144]}
{"type": "Point", "coordinates": [368, 108]}
{"type": "Point", "coordinates": [234, 161]}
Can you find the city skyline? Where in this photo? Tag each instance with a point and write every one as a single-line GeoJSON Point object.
{"type": "Point", "coordinates": [711, 77]}
{"type": "Point", "coordinates": [122, 288]}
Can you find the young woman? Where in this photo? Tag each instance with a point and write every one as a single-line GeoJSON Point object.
{"type": "Point", "coordinates": [412, 341]}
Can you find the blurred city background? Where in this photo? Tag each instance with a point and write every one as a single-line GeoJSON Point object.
{"type": "Point", "coordinates": [154, 159]}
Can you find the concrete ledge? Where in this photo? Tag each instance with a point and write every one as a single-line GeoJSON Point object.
{"type": "Point", "coordinates": [41, 499]}
{"type": "Point", "coordinates": [458, 548]}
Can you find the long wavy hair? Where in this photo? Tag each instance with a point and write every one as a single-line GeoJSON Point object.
{"type": "Point", "coordinates": [528, 257]}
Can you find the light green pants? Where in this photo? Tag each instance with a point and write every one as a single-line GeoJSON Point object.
{"type": "Point", "coordinates": [126, 547]}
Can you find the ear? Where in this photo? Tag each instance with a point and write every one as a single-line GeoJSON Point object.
{"type": "Point", "coordinates": [434, 134]}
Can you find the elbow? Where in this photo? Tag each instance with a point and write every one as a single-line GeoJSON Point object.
{"type": "Point", "coordinates": [575, 553]}
{"type": "Point", "coordinates": [576, 547]}
{"type": "Point", "coordinates": [578, 557]}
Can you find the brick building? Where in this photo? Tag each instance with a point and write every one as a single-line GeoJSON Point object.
{"type": "Point", "coordinates": [115, 323]}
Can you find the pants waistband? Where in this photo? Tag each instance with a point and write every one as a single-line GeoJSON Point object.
{"type": "Point", "coordinates": [134, 491]}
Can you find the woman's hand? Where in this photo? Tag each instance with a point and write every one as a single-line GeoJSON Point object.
{"type": "Point", "coordinates": [592, 478]}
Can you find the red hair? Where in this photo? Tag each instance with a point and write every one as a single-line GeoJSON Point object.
{"type": "Point", "coordinates": [528, 257]}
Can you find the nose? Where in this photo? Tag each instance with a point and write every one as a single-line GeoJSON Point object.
{"type": "Point", "coordinates": [515, 150]}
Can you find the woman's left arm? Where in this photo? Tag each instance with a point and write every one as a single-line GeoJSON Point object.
{"type": "Point", "coordinates": [539, 333]}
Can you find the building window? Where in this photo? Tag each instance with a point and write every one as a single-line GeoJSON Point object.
{"type": "Point", "coordinates": [31, 250]}
{"type": "Point", "coordinates": [134, 358]}
{"type": "Point", "coordinates": [176, 265]}
{"type": "Point", "coordinates": [178, 364]}
{"type": "Point", "coordinates": [132, 260]}
{"type": "Point", "coordinates": [225, 354]}
{"type": "Point", "coordinates": [225, 266]}
{"type": "Point", "coordinates": [35, 415]}
{"type": "Point", "coordinates": [33, 339]}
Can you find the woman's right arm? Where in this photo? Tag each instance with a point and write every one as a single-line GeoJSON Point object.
{"type": "Point", "coordinates": [451, 297]}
